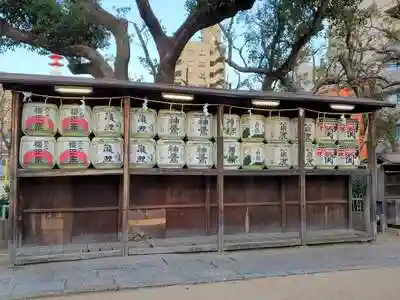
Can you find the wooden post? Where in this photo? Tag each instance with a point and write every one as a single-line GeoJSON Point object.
{"type": "Point", "coordinates": [14, 212]}
{"type": "Point", "coordinates": [126, 178]}
{"type": "Point", "coordinates": [350, 199]}
{"type": "Point", "coordinates": [381, 198]}
{"type": "Point", "coordinates": [220, 177]}
{"type": "Point", "coordinates": [302, 177]}
{"type": "Point", "coordinates": [283, 204]}
{"type": "Point", "coordinates": [372, 166]}
{"type": "Point", "coordinates": [208, 204]}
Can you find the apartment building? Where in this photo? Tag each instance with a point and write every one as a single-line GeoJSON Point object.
{"type": "Point", "coordinates": [202, 62]}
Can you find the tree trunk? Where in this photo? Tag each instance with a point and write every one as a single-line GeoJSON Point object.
{"type": "Point", "coordinates": [166, 68]}
{"type": "Point", "coordinates": [267, 83]}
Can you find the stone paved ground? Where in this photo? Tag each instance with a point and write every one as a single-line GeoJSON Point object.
{"type": "Point", "coordinates": [161, 270]}
{"type": "Point", "coordinates": [372, 284]}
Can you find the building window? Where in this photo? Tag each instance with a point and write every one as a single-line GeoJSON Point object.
{"type": "Point", "coordinates": [202, 65]}
{"type": "Point", "coordinates": [202, 53]}
{"type": "Point", "coordinates": [178, 73]}
{"type": "Point", "coordinates": [202, 75]}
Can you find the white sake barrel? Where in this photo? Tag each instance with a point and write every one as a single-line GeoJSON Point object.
{"type": "Point", "coordinates": [252, 127]}
{"type": "Point", "coordinates": [107, 121]}
{"type": "Point", "coordinates": [143, 122]}
{"type": "Point", "coordinates": [310, 157]}
{"type": "Point", "coordinates": [347, 155]}
{"type": "Point", "coordinates": [326, 130]}
{"type": "Point", "coordinates": [73, 152]}
{"type": "Point", "coordinates": [230, 125]}
{"type": "Point", "coordinates": [106, 152]}
{"type": "Point", "coordinates": [37, 152]}
{"type": "Point", "coordinates": [309, 130]}
{"type": "Point", "coordinates": [171, 124]}
{"type": "Point", "coordinates": [199, 126]}
{"type": "Point", "coordinates": [143, 153]}
{"type": "Point", "coordinates": [326, 155]}
{"type": "Point", "coordinates": [347, 130]}
{"type": "Point", "coordinates": [39, 119]}
{"type": "Point", "coordinates": [253, 155]}
{"type": "Point", "coordinates": [278, 129]}
{"type": "Point", "coordinates": [75, 120]}
{"type": "Point", "coordinates": [278, 155]}
{"type": "Point", "coordinates": [170, 153]}
{"type": "Point", "coordinates": [199, 154]}
{"type": "Point", "coordinates": [232, 154]}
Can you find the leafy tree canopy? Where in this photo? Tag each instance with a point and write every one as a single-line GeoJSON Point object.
{"type": "Point", "coordinates": [51, 26]}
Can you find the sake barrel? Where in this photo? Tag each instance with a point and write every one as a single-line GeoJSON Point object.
{"type": "Point", "coordinates": [310, 158]}
{"type": "Point", "coordinates": [232, 154]}
{"type": "Point", "coordinates": [309, 130]}
{"type": "Point", "coordinates": [74, 120]}
{"type": "Point", "coordinates": [252, 127]}
{"type": "Point", "coordinates": [347, 130]}
{"type": "Point", "coordinates": [142, 153]}
{"type": "Point", "coordinates": [278, 129]}
{"type": "Point", "coordinates": [37, 152]}
{"type": "Point", "coordinates": [73, 152]}
{"type": "Point", "coordinates": [170, 153]}
{"type": "Point", "coordinates": [326, 155]}
{"type": "Point", "coordinates": [199, 154]}
{"type": "Point", "coordinates": [199, 125]}
{"type": "Point", "coordinates": [347, 155]}
{"type": "Point", "coordinates": [171, 124]}
{"type": "Point", "coordinates": [278, 155]}
{"type": "Point", "coordinates": [143, 122]}
{"type": "Point", "coordinates": [230, 125]}
{"type": "Point", "coordinates": [326, 130]}
{"type": "Point", "coordinates": [253, 155]}
{"type": "Point", "coordinates": [39, 119]}
{"type": "Point", "coordinates": [107, 121]}
{"type": "Point", "coordinates": [106, 152]}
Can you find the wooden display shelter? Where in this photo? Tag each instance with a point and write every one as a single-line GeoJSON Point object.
{"type": "Point", "coordinates": [68, 214]}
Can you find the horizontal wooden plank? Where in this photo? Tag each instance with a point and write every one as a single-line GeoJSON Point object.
{"type": "Point", "coordinates": [264, 172]}
{"type": "Point", "coordinates": [67, 172]}
{"type": "Point", "coordinates": [69, 210]}
{"type": "Point", "coordinates": [166, 206]}
{"type": "Point", "coordinates": [158, 171]}
{"type": "Point", "coordinates": [342, 172]}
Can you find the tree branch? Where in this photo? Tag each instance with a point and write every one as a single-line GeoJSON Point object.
{"type": "Point", "coordinates": [119, 28]}
{"type": "Point", "coordinates": [145, 50]}
{"type": "Point", "coordinates": [229, 60]}
{"type": "Point", "coordinates": [304, 39]}
{"type": "Point", "coordinates": [160, 38]}
{"type": "Point", "coordinates": [99, 66]}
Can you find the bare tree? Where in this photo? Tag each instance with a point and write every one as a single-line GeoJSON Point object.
{"type": "Point", "coordinates": [277, 36]}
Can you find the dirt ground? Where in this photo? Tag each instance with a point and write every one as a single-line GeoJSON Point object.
{"type": "Point", "coordinates": [372, 284]}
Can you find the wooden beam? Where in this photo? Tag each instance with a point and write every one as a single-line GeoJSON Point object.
{"type": "Point", "coordinates": [302, 177]}
{"type": "Point", "coordinates": [14, 213]}
{"type": "Point", "coordinates": [370, 207]}
{"type": "Point", "coordinates": [283, 204]}
{"type": "Point", "coordinates": [126, 177]}
{"type": "Point", "coordinates": [208, 204]}
{"type": "Point", "coordinates": [220, 177]}
{"type": "Point", "coordinates": [372, 165]}
{"type": "Point", "coordinates": [350, 203]}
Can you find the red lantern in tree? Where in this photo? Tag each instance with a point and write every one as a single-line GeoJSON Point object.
{"type": "Point", "coordinates": [55, 63]}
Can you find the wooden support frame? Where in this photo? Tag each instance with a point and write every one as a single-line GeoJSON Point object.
{"type": "Point", "coordinates": [218, 98]}
{"type": "Point", "coordinates": [302, 177]}
{"type": "Point", "coordinates": [14, 215]}
{"type": "Point", "coordinates": [372, 166]}
{"type": "Point", "coordinates": [126, 177]}
{"type": "Point", "coordinates": [220, 177]}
